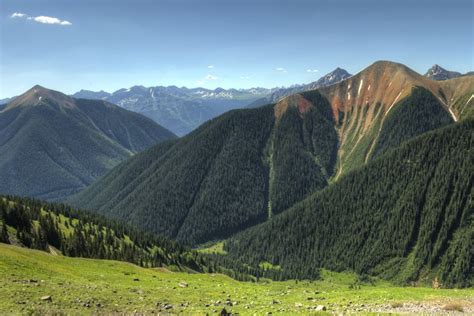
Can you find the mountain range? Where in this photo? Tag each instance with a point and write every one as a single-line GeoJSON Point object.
{"type": "Point", "coordinates": [331, 78]}
{"type": "Point", "coordinates": [371, 173]}
{"type": "Point", "coordinates": [247, 166]}
{"type": "Point", "coordinates": [181, 110]}
{"type": "Point", "coordinates": [439, 73]}
{"type": "Point", "coordinates": [178, 109]}
{"type": "Point", "coordinates": [53, 145]}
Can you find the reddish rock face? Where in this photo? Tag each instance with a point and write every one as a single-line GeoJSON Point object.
{"type": "Point", "coordinates": [303, 105]}
{"type": "Point", "coordinates": [295, 100]}
{"type": "Point", "coordinates": [361, 103]}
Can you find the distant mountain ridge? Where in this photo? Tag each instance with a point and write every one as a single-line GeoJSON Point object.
{"type": "Point", "coordinates": [437, 72]}
{"type": "Point", "coordinates": [94, 95]}
{"type": "Point", "coordinates": [53, 145]}
{"type": "Point", "coordinates": [331, 78]}
{"type": "Point", "coordinates": [178, 109]}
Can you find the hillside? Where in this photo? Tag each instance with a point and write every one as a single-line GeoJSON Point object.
{"type": "Point", "coordinates": [229, 174]}
{"type": "Point", "coordinates": [386, 90]}
{"type": "Point", "coordinates": [248, 165]}
{"type": "Point", "coordinates": [406, 216]}
{"type": "Point", "coordinates": [180, 110]}
{"type": "Point", "coordinates": [52, 145]}
{"type": "Point", "coordinates": [59, 229]}
{"type": "Point", "coordinates": [87, 286]}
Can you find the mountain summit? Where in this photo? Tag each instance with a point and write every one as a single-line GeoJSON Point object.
{"type": "Point", "coordinates": [333, 77]}
{"type": "Point", "coordinates": [439, 73]}
{"type": "Point", "coordinates": [52, 145]}
{"type": "Point", "coordinates": [38, 95]}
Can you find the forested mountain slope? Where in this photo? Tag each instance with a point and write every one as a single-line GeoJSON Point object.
{"type": "Point", "coordinates": [248, 165]}
{"type": "Point", "coordinates": [57, 228]}
{"type": "Point", "coordinates": [231, 173]}
{"type": "Point", "coordinates": [52, 145]}
{"type": "Point", "coordinates": [406, 216]}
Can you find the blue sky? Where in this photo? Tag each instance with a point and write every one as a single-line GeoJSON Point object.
{"type": "Point", "coordinates": [70, 45]}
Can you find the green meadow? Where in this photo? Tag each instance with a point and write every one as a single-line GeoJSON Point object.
{"type": "Point", "coordinates": [36, 282]}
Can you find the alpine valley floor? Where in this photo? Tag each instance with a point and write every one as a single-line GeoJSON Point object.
{"type": "Point", "coordinates": [36, 282]}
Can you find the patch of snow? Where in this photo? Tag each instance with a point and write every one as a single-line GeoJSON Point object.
{"type": "Point", "coordinates": [447, 106]}
{"type": "Point", "coordinates": [396, 99]}
{"type": "Point", "coordinates": [452, 114]}
{"type": "Point", "coordinates": [389, 84]}
{"type": "Point", "coordinates": [360, 86]}
{"type": "Point", "coordinates": [472, 96]}
{"type": "Point", "coordinates": [368, 89]}
{"type": "Point", "coordinates": [348, 96]}
{"type": "Point", "coordinates": [349, 87]}
{"type": "Point", "coordinates": [39, 99]}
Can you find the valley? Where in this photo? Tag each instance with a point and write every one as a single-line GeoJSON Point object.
{"type": "Point", "coordinates": [235, 170]}
{"type": "Point", "coordinates": [87, 286]}
{"type": "Point", "coordinates": [209, 157]}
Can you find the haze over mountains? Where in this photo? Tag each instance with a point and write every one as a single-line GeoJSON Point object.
{"type": "Point", "coordinates": [247, 166]}
{"type": "Point", "coordinates": [52, 145]}
{"type": "Point", "coordinates": [179, 109]}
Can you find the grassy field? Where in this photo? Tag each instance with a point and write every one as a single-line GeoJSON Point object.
{"type": "Point", "coordinates": [85, 286]}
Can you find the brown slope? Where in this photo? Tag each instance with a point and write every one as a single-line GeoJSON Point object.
{"type": "Point", "coordinates": [361, 103]}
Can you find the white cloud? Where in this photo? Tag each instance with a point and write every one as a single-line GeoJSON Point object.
{"type": "Point", "coordinates": [211, 77]}
{"type": "Point", "coordinates": [18, 15]}
{"type": "Point", "coordinates": [41, 19]}
{"type": "Point", "coordinates": [200, 82]}
{"type": "Point", "coordinates": [280, 69]}
{"type": "Point", "coordinates": [50, 20]}
{"type": "Point", "coordinates": [245, 77]}
{"type": "Point", "coordinates": [312, 70]}
{"type": "Point", "coordinates": [210, 66]}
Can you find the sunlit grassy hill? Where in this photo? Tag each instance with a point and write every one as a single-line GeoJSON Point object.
{"type": "Point", "coordinates": [85, 286]}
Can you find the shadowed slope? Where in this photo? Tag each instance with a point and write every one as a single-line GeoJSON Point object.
{"type": "Point", "coordinates": [52, 145]}
{"type": "Point", "coordinates": [406, 216]}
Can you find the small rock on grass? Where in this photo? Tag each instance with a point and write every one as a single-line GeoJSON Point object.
{"type": "Point", "coordinates": [320, 308]}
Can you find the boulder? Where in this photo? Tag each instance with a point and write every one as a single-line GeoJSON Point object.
{"type": "Point", "coordinates": [320, 308]}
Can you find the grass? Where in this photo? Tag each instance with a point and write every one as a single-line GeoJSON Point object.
{"type": "Point", "coordinates": [213, 248]}
{"type": "Point", "coordinates": [453, 307]}
{"type": "Point", "coordinates": [85, 286]}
